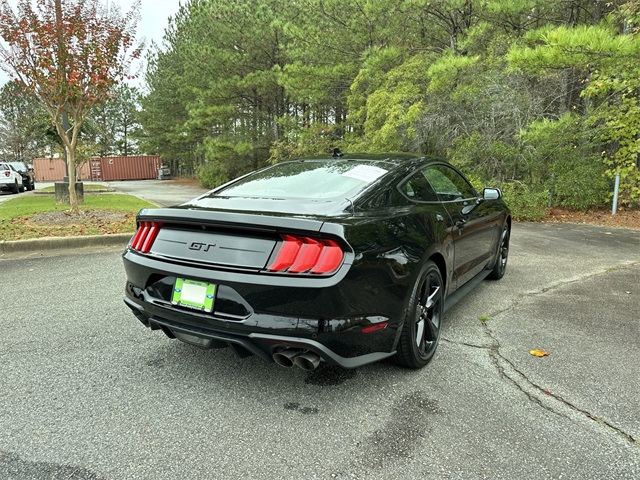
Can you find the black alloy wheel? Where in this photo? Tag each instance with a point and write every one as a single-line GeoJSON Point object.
{"type": "Point", "coordinates": [421, 329]}
{"type": "Point", "coordinates": [503, 255]}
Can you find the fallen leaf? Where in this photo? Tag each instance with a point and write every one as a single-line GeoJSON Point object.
{"type": "Point", "coordinates": [538, 353]}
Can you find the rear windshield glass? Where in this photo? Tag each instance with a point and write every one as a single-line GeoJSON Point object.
{"type": "Point", "coordinates": [308, 179]}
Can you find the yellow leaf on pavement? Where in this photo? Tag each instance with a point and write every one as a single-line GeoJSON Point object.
{"type": "Point", "coordinates": [538, 353]}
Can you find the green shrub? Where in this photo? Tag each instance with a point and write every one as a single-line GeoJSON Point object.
{"type": "Point", "coordinates": [580, 185]}
{"type": "Point", "coordinates": [525, 203]}
{"type": "Point", "coordinates": [212, 174]}
{"type": "Point", "coordinates": [561, 156]}
{"type": "Point", "coordinates": [483, 157]}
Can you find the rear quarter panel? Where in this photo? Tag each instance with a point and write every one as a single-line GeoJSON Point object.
{"type": "Point", "coordinates": [390, 246]}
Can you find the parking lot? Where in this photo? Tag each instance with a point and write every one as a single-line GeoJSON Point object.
{"type": "Point", "coordinates": [7, 195]}
{"type": "Point", "coordinates": [89, 393]}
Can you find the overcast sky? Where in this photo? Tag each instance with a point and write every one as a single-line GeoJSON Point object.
{"type": "Point", "coordinates": [153, 20]}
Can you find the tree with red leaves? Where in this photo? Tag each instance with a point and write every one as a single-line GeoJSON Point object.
{"type": "Point", "coordinates": [69, 54]}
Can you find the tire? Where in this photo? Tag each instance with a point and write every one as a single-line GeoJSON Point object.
{"type": "Point", "coordinates": [29, 186]}
{"type": "Point", "coordinates": [422, 322]}
{"type": "Point", "coordinates": [21, 189]}
{"type": "Point", "coordinates": [15, 188]}
{"type": "Point", "coordinates": [501, 257]}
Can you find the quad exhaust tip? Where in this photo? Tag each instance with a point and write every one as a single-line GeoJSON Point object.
{"type": "Point", "coordinates": [292, 356]}
{"type": "Point", "coordinates": [285, 358]}
{"type": "Point", "coordinates": [307, 361]}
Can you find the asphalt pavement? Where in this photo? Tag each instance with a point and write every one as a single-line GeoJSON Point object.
{"type": "Point", "coordinates": [161, 192]}
{"type": "Point", "coordinates": [89, 393]}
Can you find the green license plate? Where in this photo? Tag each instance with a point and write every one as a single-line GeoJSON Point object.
{"type": "Point", "coordinates": [192, 294]}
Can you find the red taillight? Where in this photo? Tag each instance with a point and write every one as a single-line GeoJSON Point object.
{"type": "Point", "coordinates": [143, 230]}
{"type": "Point", "coordinates": [287, 254]}
{"type": "Point", "coordinates": [145, 236]}
{"type": "Point", "coordinates": [7, 173]}
{"type": "Point", "coordinates": [307, 255]}
{"type": "Point", "coordinates": [329, 259]}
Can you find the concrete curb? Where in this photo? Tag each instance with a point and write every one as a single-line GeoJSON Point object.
{"type": "Point", "coordinates": [60, 243]}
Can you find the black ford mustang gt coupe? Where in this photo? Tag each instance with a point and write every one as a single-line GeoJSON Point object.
{"type": "Point", "coordinates": [345, 260]}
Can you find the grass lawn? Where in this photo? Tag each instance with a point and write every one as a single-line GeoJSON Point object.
{"type": "Point", "coordinates": [39, 216]}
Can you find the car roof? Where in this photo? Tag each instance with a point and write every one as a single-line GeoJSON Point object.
{"type": "Point", "coordinates": [394, 158]}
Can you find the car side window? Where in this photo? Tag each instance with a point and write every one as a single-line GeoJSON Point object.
{"type": "Point", "coordinates": [417, 187]}
{"type": "Point", "coordinates": [448, 184]}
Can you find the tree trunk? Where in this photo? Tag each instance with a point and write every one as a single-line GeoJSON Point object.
{"type": "Point", "coordinates": [70, 149]}
{"type": "Point", "coordinates": [73, 197]}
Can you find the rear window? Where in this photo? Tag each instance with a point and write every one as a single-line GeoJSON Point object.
{"type": "Point", "coordinates": [18, 166]}
{"type": "Point", "coordinates": [307, 179]}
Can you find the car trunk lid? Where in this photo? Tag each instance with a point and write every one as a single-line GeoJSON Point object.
{"type": "Point", "coordinates": [220, 239]}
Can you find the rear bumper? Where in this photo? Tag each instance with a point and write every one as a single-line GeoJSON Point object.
{"type": "Point", "coordinates": [263, 345]}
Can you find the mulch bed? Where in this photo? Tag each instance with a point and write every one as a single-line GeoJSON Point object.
{"type": "Point", "coordinates": [65, 217]}
{"type": "Point", "coordinates": [623, 218]}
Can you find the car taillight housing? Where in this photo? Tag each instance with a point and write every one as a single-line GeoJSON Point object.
{"type": "Point", "coordinates": [145, 236]}
{"type": "Point", "coordinates": [306, 255]}
{"type": "Point", "coordinates": [7, 173]}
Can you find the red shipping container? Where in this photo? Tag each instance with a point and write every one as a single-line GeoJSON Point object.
{"type": "Point", "coordinates": [139, 167]}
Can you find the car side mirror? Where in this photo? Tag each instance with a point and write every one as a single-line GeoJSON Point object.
{"type": "Point", "coordinates": [491, 194]}
{"type": "Point", "coordinates": [487, 194]}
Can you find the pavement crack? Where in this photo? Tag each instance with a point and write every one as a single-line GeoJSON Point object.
{"type": "Point", "coordinates": [563, 283]}
{"type": "Point", "coordinates": [465, 344]}
{"type": "Point", "coordinates": [499, 361]}
{"type": "Point", "coordinates": [573, 406]}
{"type": "Point", "coordinates": [537, 394]}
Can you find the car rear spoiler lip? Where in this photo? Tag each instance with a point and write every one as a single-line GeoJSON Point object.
{"type": "Point", "coordinates": [253, 221]}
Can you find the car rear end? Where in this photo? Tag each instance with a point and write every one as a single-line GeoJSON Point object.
{"type": "Point", "coordinates": [262, 285]}
{"type": "Point", "coordinates": [271, 274]}
{"type": "Point", "coordinates": [7, 177]}
{"type": "Point", "coordinates": [28, 177]}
